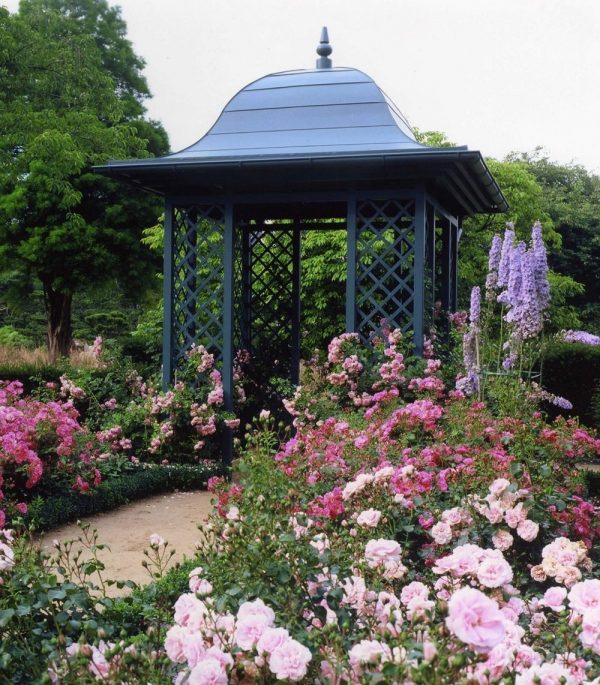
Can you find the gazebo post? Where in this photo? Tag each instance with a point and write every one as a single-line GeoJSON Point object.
{"type": "Point", "coordinates": [228, 353]}
{"type": "Point", "coordinates": [351, 264]}
{"type": "Point", "coordinates": [419, 270]}
{"type": "Point", "coordinates": [296, 304]}
{"type": "Point", "coordinates": [167, 356]}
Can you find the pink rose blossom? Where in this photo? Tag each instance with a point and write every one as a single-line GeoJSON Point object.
{"type": "Point", "coordinates": [585, 595]}
{"type": "Point", "coordinates": [290, 661]}
{"type": "Point", "coordinates": [271, 639]}
{"type": "Point", "coordinates": [554, 598]}
{"type": "Point", "coordinates": [414, 589]}
{"type": "Point", "coordinates": [377, 552]}
{"type": "Point", "coordinates": [494, 571]}
{"type": "Point", "coordinates": [590, 629]}
{"type": "Point", "coordinates": [257, 607]}
{"type": "Point", "coordinates": [441, 533]}
{"type": "Point", "coordinates": [502, 540]}
{"type": "Point", "coordinates": [249, 630]}
{"type": "Point", "coordinates": [174, 643]}
{"type": "Point", "coordinates": [475, 619]}
{"type": "Point", "coordinates": [208, 672]}
{"type": "Point", "coordinates": [528, 530]}
{"type": "Point", "coordinates": [547, 674]}
{"type": "Point", "coordinates": [368, 518]}
{"type": "Point", "coordinates": [369, 652]}
{"type": "Point", "coordinates": [194, 648]}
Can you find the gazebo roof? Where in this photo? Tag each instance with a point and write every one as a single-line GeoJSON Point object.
{"type": "Point", "coordinates": [311, 129]}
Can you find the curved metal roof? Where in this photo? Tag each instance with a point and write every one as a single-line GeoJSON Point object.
{"type": "Point", "coordinates": [313, 111]}
{"type": "Point", "coordinates": [320, 128]}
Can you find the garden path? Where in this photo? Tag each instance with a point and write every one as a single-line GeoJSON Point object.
{"type": "Point", "coordinates": [126, 530]}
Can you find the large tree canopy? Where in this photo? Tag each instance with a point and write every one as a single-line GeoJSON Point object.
{"type": "Point", "coordinates": [63, 110]}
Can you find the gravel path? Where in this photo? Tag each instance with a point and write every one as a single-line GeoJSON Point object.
{"type": "Point", "coordinates": [126, 530]}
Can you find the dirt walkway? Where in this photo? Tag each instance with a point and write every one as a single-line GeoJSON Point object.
{"type": "Point", "coordinates": [126, 530]}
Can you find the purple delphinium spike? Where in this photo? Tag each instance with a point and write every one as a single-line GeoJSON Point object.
{"type": "Point", "coordinates": [581, 337]}
{"type": "Point", "coordinates": [527, 316]}
{"type": "Point", "coordinates": [513, 292]}
{"type": "Point", "coordinates": [475, 310]}
{"type": "Point", "coordinates": [491, 280]}
{"type": "Point", "coordinates": [540, 266]}
{"type": "Point", "coordinates": [504, 264]}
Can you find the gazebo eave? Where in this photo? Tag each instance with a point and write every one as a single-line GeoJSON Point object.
{"type": "Point", "coordinates": [460, 174]}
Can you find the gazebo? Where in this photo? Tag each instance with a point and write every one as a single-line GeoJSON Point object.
{"type": "Point", "coordinates": [310, 150]}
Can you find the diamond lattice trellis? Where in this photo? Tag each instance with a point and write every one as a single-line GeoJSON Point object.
{"type": "Point", "coordinates": [271, 265]}
{"type": "Point", "coordinates": [385, 261]}
{"type": "Point", "coordinates": [197, 291]}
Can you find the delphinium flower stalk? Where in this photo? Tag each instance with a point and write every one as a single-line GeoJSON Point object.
{"type": "Point", "coordinates": [491, 282]}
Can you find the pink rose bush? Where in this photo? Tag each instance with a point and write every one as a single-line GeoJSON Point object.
{"type": "Point", "coordinates": [42, 443]}
{"type": "Point", "coordinates": [409, 536]}
{"type": "Point", "coordinates": [217, 647]}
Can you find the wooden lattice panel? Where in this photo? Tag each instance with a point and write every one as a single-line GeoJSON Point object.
{"type": "Point", "coordinates": [385, 262]}
{"type": "Point", "coordinates": [197, 292]}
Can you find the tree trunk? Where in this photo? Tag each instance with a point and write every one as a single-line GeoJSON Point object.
{"type": "Point", "coordinates": [58, 312]}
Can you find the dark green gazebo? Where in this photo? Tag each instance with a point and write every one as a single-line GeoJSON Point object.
{"type": "Point", "coordinates": [317, 149]}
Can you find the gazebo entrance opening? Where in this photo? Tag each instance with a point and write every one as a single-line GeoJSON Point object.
{"type": "Point", "coordinates": [399, 259]}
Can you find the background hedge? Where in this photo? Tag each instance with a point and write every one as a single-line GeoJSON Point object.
{"type": "Point", "coordinates": [572, 370]}
{"type": "Point", "coordinates": [49, 512]}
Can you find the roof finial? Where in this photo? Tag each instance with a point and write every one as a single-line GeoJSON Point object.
{"type": "Point", "coordinates": [324, 50]}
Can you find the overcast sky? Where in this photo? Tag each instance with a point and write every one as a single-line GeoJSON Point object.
{"type": "Point", "coordinates": [496, 75]}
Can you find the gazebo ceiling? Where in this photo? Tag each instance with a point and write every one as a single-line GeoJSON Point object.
{"type": "Point", "coordinates": [315, 129]}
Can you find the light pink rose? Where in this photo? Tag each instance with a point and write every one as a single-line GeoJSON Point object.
{"type": "Point", "coordinates": [249, 630]}
{"type": "Point", "coordinates": [585, 595]}
{"type": "Point", "coordinates": [414, 589]}
{"type": "Point", "coordinates": [502, 540]}
{"type": "Point", "coordinates": [499, 486]}
{"type": "Point", "coordinates": [290, 661]}
{"type": "Point", "coordinates": [271, 639]}
{"type": "Point", "coordinates": [453, 516]}
{"type": "Point", "coordinates": [548, 674]}
{"type": "Point", "coordinates": [590, 629]}
{"type": "Point", "coordinates": [188, 606]}
{"type": "Point", "coordinates": [224, 658]}
{"type": "Point", "coordinates": [369, 518]}
{"type": "Point", "coordinates": [568, 576]}
{"type": "Point", "coordinates": [208, 672]}
{"type": "Point", "coordinates": [464, 559]}
{"type": "Point", "coordinates": [193, 648]}
{"type": "Point", "coordinates": [528, 530]}
{"type": "Point", "coordinates": [369, 652]}
{"type": "Point", "coordinates": [493, 513]}
{"type": "Point", "coordinates": [554, 597]}
{"type": "Point", "coordinates": [441, 533]}
{"type": "Point", "coordinates": [377, 552]}
{"type": "Point", "coordinates": [515, 515]}
{"type": "Point", "coordinates": [494, 571]}
{"type": "Point", "coordinates": [257, 607]}
{"type": "Point", "coordinates": [475, 619]}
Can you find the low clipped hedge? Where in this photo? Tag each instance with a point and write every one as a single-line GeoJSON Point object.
{"type": "Point", "coordinates": [52, 511]}
{"type": "Point", "coordinates": [572, 370]}
{"type": "Point", "coordinates": [32, 375]}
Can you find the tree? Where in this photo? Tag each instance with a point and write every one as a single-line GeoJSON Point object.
{"type": "Point", "coordinates": [572, 198]}
{"type": "Point", "coordinates": [62, 111]}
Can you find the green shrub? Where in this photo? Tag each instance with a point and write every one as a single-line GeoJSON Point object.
{"type": "Point", "coordinates": [572, 370]}
{"type": "Point", "coordinates": [46, 513]}
{"type": "Point", "coordinates": [11, 337]}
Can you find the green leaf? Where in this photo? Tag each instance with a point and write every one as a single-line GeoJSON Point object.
{"type": "Point", "coordinates": [5, 616]}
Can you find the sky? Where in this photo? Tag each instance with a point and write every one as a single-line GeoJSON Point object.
{"type": "Point", "coordinates": [496, 75]}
